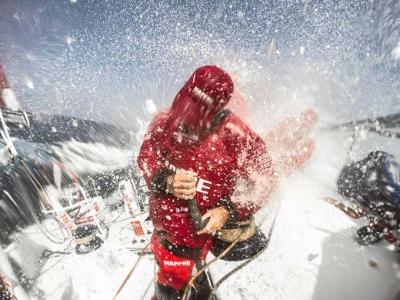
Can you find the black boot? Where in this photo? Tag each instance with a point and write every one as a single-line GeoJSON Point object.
{"type": "Point", "coordinates": [164, 292]}
{"type": "Point", "coordinates": [203, 286]}
{"type": "Point", "coordinates": [368, 235]}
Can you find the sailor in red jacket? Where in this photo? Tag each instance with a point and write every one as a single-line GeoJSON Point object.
{"type": "Point", "coordinates": [199, 150]}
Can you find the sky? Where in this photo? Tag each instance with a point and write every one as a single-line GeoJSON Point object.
{"type": "Point", "coordinates": [102, 59]}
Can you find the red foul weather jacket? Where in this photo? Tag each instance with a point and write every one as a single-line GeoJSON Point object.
{"type": "Point", "coordinates": [227, 155]}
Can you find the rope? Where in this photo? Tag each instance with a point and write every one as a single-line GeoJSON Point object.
{"type": "Point", "coordinates": [141, 255]}
{"type": "Point", "coordinates": [190, 284]}
{"type": "Point", "coordinates": [245, 263]}
{"type": "Point", "coordinates": [38, 187]}
{"type": "Point", "coordinates": [201, 271]}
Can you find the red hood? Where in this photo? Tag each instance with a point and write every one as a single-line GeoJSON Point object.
{"type": "Point", "coordinates": [202, 97]}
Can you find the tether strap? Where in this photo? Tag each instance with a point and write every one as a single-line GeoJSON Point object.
{"type": "Point", "coordinates": [180, 251]}
{"type": "Point", "coordinates": [219, 118]}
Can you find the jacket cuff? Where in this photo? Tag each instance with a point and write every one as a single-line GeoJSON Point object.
{"type": "Point", "coordinates": [159, 181]}
{"type": "Point", "coordinates": [228, 205]}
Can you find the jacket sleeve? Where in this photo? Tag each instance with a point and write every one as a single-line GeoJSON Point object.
{"type": "Point", "coordinates": [151, 159]}
{"type": "Point", "coordinates": [255, 178]}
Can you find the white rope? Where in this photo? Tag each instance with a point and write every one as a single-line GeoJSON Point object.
{"type": "Point", "coordinates": [6, 136]}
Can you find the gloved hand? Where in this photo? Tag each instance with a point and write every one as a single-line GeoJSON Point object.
{"type": "Point", "coordinates": [218, 217]}
{"type": "Point", "coordinates": [182, 184]}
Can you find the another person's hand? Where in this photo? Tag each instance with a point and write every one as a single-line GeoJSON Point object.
{"type": "Point", "coordinates": [218, 217]}
{"type": "Point", "coordinates": [182, 184]}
